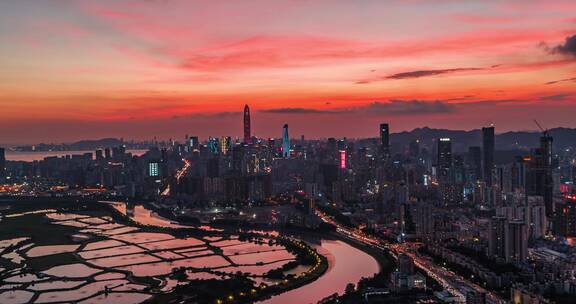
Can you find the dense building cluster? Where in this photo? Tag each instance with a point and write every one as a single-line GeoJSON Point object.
{"type": "Point", "coordinates": [508, 218]}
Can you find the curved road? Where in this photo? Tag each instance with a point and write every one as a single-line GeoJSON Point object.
{"type": "Point", "coordinates": [453, 283]}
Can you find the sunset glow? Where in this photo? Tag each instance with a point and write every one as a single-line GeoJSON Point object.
{"type": "Point", "coordinates": [139, 69]}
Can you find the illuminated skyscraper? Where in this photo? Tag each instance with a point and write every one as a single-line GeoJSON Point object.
{"type": "Point", "coordinates": [444, 159]}
{"type": "Point", "coordinates": [285, 142]}
{"type": "Point", "coordinates": [153, 169]}
{"type": "Point", "coordinates": [247, 133]}
{"type": "Point", "coordinates": [342, 159]}
{"type": "Point", "coordinates": [213, 145]}
{"type": "Point", "coordinates": [193, 143]}
{"type": "Point", "coordinates": [488, 154]}
{"type": "Point", "coordinates": [225, 144]}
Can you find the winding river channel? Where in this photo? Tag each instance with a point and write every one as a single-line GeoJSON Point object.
{"type": "Point", "coordinates": [347, 264]}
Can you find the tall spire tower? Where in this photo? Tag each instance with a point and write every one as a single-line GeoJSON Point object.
{"type": "Point", "coordinates": [247, 134]}
{"type": "Point", "coordinates": [285, 142]}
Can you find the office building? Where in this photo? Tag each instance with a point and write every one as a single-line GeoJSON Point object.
{"type": "Point", "coordinates": [475, 162]}
{"type": "Point", "coordinates": [153, 169]}
{"type": "Point", "coordinates": [488, 154]}
{"type": "Point", "coordinates": [444, 160]}
{"type": "Point", "coordinates": [496, 237]}
{"type": "Point", "coordinates": [385, 138]}
{"type": "Point", "coordinates": [516, 241]}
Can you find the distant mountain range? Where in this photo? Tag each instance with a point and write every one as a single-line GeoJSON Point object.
{"type": "Point", "coordinates": [461, 140]}
{"type": "Point", "coordinates": [82, 145]}
{"type": "Point", "coordinates": [512, 142]}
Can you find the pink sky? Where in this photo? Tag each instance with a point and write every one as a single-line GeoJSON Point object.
{"type": "Point", "coordinates": [166, 68]}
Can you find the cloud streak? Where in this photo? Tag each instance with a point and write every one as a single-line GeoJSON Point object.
{"type": "Point", "coordinates": [428, 73]}
{"type": "Point", "coordinates": [421, 74]}
{"type": "Point", "coordinates": [299, 111]}
{"type": "Point", "coordinates": [573, 79]}
{"type": "Point", "coordinates": [391, 107]}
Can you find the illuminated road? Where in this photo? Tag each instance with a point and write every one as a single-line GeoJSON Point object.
{"type": "Point", "coordinates": [179, 174]}
{"type": "Point", "coordinates": [451, 282]}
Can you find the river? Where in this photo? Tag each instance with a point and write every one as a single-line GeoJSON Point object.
{"type": "Point", "coordinates": [347, 264]}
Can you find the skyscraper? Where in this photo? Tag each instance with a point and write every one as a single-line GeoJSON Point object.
{"type": "Point", "coordinates": [342, 159]}
{"type": "Point", "coordinates": [247, 131]}
{"type": "Point", "coordinates": [193, 143]}
{"type": "Point", "coordinates": [385, 137]}
{"type": "Point", "coordinates": [488, 154]}
{"type": "Point", "coordinates": [445, 172]}
{"type": "Point", "coordinates": [546, 150]}
{"type": "Point", "coordinates": [444, 159]}
{"type": "Point", "coordinates": [225, 144]}
{"type": "Point", "coordinates": [565, 221]}
{"type": "Point", "coordinates": [285, 142]}
{"type": "Point", "coordinates": [99, 156]}
{"type": "Point", "coordinates": [496, 237]}
{"type": "Point", "coordinates": [539, 179]}
{"type": "Point", "coordinates": [508, 239]}
{"type": "Point", "coordinates": [516, 241]}
{"type": "Point", "coordinates": [153, 169]}
{"type": "Point", "coordinates": [475, 161]}
{"type": "Point", "coordinates": [2, 163]}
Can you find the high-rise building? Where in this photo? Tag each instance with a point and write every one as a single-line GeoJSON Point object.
{"type": "Point", "coordinates": [285, 142]}
{"type": "Point", "coordinates": [508, 239]}
{"type": "Point", "coordinates": [247, 131]}
{"type": "Point", "coordinates": [516, 240]}
{"type": "Point", "coordinates": [2, 163]}
{"type": "Point", "coordinates": [272, 147]}
{"type": "Point", "coordinates": [539, 178]}
{"type": "Point", "coordinates": [444, 159]}
{"type": "Point", "coordinates": [385, 137]}
{"type": "Point", "coordinates": [546, 150]}
{"type": "Point", "coordinates": [342, 159]}
{"type": "Point", "coordinates": [423, 218]}
{"type": "Point", "coordinates": [193, 143]}
{"type": "Point", "coordinates": [518, 174]}
{"type": "Point", "coordinates": [99, 155]}
{"type": "Point", "coordinates": [153, 169]}
{"type": "Point", "coordinates": [496, 237]}
{"type": "Point", "coordinates": [414, 148]}
{"type": "Point", "coordinates": [565, 221]}
{"type": "Point", "coordinates": [225, 144]}
{"type": "Point", "coordinates": [475, 162]}
{"type": "Point", "coordinates": [488, 154]}
{"type": "Point", "coordinates": [532, 214]}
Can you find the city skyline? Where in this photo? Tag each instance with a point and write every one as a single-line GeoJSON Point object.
{"type": "Point", "coordinates": [144, 69]}
{"type": "Point", "coordinates": [288, 151]}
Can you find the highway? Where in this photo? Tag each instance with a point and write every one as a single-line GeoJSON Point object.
{"type": "Point", "coordinates": [179, 174]}
{"type": "Point", "coordinates": [452, 282]}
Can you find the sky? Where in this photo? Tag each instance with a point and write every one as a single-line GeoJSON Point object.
{"type": "Point", "coordinates": [80, 69]}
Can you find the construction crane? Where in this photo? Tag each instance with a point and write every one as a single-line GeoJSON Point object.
{"type": "Point", "coordinates": [544, 131]}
